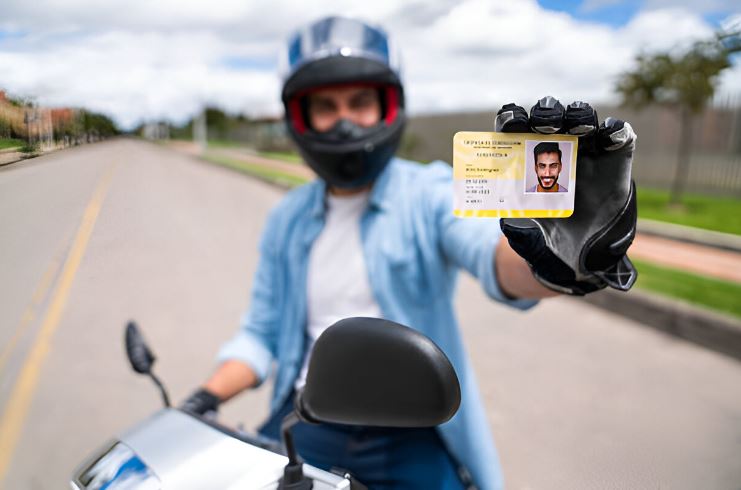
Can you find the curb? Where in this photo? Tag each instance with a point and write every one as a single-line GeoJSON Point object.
{"type": "Point", "coordinates": [726, 241]}
{"type": "Point", "coordinates": [30, 156]}
{"type": "Point", "coordinates": [706, 328]}
{"type": "Point", "coordinates": [22, 158]}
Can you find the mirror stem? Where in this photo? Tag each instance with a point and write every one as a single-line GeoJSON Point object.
{"type": "Point", "coordinates": [293, 474]}
{"type": "Point", "coordinates": [163, 391]}
{"type": "Point", "coordinates": [285, 429]}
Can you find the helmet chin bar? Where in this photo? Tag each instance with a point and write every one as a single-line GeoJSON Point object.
{"type": "Point", "coordinates": [348, 172]}
{"type": "Point", "coordinates": [353, 162]}
{"type": "Point", "coordinates": [346, 131]}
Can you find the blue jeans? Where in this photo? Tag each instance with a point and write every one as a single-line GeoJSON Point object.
{"type": "Point", "coordinates": [381, 458]}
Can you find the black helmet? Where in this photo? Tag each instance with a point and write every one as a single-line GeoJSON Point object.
{"type": "Point", "coordinates": [340, 51]}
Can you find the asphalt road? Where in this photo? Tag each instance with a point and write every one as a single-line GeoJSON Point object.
{"type": "Point", "coordinates": [95, 236]}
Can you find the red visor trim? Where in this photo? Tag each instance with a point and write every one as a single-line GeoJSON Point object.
{"type": "Point", "coordinates": [392, 105]}
{"type": "Point", "coordinates": [295, 115]}
{"type": "Point", "coordinates": [391, 94]}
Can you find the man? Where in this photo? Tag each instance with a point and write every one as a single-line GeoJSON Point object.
{"type": "Point", "coordinates": [376, 236]}
{"type": "Point", "coordinates": [547, 158]}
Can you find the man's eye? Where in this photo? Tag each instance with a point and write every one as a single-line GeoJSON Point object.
{"type": "Point", "coordinates": [322, 107]}
{"type": "Point", "coordinates": [363, 101]}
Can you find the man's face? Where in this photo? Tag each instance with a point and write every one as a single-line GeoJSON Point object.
{"type": "Point", "coordinates": [548, 166]}
{"type": "Point", "coordinates": [359, 105]}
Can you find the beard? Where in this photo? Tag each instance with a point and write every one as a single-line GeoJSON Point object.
{"type": "Point", "coordinates": [554, 181]}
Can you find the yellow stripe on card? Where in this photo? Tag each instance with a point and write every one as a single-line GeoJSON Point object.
{"type": "Point", "coordinates": [513, 213]}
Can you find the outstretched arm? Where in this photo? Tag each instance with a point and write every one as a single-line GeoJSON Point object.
{"type": "Point", "coordinates": [515, 277]}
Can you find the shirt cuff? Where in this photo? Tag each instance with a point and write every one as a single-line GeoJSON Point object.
{"type": "Point", "coordinates": [489, 282]}
{"type": "Point", "coordinates": [247, 348]}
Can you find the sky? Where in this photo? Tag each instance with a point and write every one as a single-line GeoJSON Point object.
{"type": "Point", "coordinates": [141, 61]}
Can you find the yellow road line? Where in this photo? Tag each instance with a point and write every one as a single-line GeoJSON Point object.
{"type": "Point", "coordinates": [29, 313]}
{"type": "Point", "coordinates": [14, 417]}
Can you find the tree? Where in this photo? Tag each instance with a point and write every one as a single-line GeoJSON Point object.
{"type": "Point", "coordinates": [218, 122]}
{"type": "Point", "coordinates": [684, 81]}
{"type": "Point", "coordinates": [97, 126]}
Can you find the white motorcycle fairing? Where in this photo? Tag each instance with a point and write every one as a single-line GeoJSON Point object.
{"type": "Point", "coordinates": [175, 450]}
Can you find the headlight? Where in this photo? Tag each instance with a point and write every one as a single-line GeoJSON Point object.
{"type": "Point", "coordinates": [117, 468]}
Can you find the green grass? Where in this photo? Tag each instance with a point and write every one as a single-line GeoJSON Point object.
{"type": "Point", "coordinates": [716, 294]}
{"type": "Point", "coordinates": [287, 156]}
{"type": "Point", "coordinates": [257, 170]}
{"type": "Point", "coordinates": [225, 144]}
{"type": "Point", "coordinates": [11, 143]}
{"type": "Point", "coordinates": [711, 213]}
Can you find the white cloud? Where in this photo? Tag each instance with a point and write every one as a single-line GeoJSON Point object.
{"type": "Point", "coordinates": [140, 75]}
{"type": "Point", "coordinates": [665, 29]}
{"type": "Point", "coordinates": [145, 60]}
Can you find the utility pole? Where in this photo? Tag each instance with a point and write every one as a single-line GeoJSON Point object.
{"type": "Point", "coordinates": [199, 131]}
{"type": "Point", "coordinates": [27, 121]}
{"type": "Point", "coordinates": [30, 117]}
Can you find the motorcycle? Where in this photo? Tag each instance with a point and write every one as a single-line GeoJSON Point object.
{"type": "Point", "coordinates": [363, 371]}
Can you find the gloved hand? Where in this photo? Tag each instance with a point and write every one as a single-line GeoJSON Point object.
{"type": "Point", "coordinates": [201, 402]}
{"type": "Point", "coordinates": [587, 251]}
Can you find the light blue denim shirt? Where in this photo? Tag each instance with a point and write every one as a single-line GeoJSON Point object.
{"type": "Point", "coordinates": [413, 248]}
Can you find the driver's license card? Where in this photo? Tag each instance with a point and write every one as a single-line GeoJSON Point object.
{"type": "Point", "coordinates": [513, 175]}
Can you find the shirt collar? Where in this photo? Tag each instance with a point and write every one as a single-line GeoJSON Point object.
{"type": "Point", "coordinates": [379, 195]}
{"type": "Point", "coordinates": [318, 204]}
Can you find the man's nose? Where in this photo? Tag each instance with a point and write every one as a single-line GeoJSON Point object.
{"type": "Point", "coordinates": [344, 112]}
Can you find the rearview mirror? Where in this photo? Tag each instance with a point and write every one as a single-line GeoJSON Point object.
{"type": "Point", "coordinates": [140, 357]}
{"type": "Point", "coordinates": [373, 372]}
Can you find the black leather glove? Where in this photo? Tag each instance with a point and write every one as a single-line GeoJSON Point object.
{"type": "Point", "coordinates": [587, 251]}
{"type": "Point", "coordinates": [201, 402]}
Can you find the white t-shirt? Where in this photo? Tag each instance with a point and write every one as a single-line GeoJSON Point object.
{"type": "Point", "coordinates": [337, 280]}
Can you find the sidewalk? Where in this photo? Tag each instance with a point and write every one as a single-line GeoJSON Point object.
{"type": "Point", "coordinates": [10, 155]}
{"type": "Point", "coordinates": [699, 259]}
{"type": "Point", "coordinates": [689, 234]}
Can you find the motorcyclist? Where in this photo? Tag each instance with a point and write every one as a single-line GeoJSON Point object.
{"type": "Point", "coordinates": [375, 236]}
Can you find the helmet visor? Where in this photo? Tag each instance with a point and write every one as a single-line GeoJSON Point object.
{"type": "Point", "coordinates": [338, 36]}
